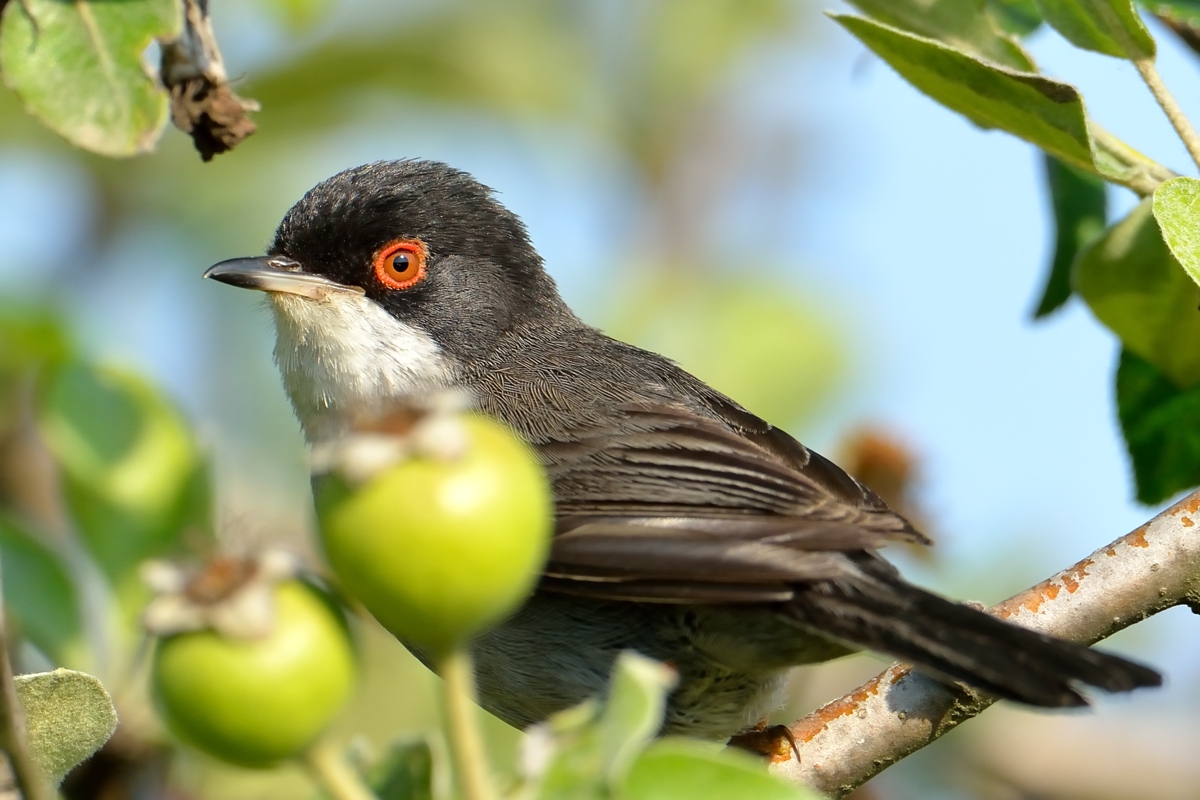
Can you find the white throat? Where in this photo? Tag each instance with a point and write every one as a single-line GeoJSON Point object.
{"type": "Point", "coordinates": [343, 355]}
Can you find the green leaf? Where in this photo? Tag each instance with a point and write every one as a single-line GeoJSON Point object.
{"type": "Point", "coordinates": [1042, 111]}
{"type": "Point", "coordinates": [38, 591]}
{"type": "Point", "coordinates": [586, 751]}
{"type": "Point", "coordinates": [1111, 27]}
{"type": "Point", "coordinates": [1047, 113]}
{"type": "Point", "coordinates": [1016, 17]}
{"type": "Point", "coordinates": [1161, 423]}
{"type": "Point", "coordinates": [1135, 287]}
{"type": "Point", "coordinates": [405, 772]}
{"type": "Point", "coordinates": [563, 758]}
{"type": "Point", "coordinates": [78, 68]}
{"type": "Point", "coordinates": [1079, 204]}
{"type": "Point", "coordinates": [690, 770]}
{"type": "Point", "coordinates": [633, 712]}
{"type": "Point", "coordinates": [961, 24]}
{"type": "Point", "coordinates": [1177, 209]}
{"type": "Point", "coordinates": [132, 475]}
{"type": "Point", "coordinates": [68, 717]}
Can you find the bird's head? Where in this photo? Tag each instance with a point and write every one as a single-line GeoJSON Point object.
{"type": "Point", "coordinates": [385, 280]}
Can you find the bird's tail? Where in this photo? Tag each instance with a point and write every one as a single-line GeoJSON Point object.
{"type": "Point", "coordinates": [880, 611]}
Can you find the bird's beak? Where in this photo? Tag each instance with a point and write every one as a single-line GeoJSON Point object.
{"type": "Point", "coordinates": [275, 274]}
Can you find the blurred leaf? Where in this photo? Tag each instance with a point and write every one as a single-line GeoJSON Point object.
{"type": "Point", "coordinates": [681, 769]}
{"type": "Point", "coordinates": [1045, 112]}
{"type": "Point", "coordinates": [299, 15]}
{"type": "Point", "coordinates": [132, 476]}
{"type": "Point", "coordinates": [636, 85]}
{"type": "Point", "coordinates": [68, 716]}
{"type": "Point", "coordinates": [562, 759]}
{"type": "Point", "coordinates": [38, 591]}
{"type": "Point", "coordinates": [1135, 287]}
{"type": "Point", "coordinates": [1016, 17]}
{"type": "Point", "coordinates": [518, 59]}
{"type": "Point", "coordinates": [78, 68]}
{"type": "Point", "coordinates": [29, 336]}
{"type": "Point", "coordinates": [633, 711]}
{"type": "Point", "coordinates": [1181, 16]}
{"type": "Point", "coordinates": [961, 24]}
{"type": "Point", "coordinates": [1079, 203]}
{"type": "Point", "coordinates": [753, 339]}
{"type": "Point", "coordinates": [1161, 423]}
{"type": "Point", "coordinates": [1177, 209]}
{"type": "Point", "coordinates": [1111, 27]}
{"type": "Point", "coordinates": [404, 773]}
{"type": "Point", "coordinates": [583, 752]}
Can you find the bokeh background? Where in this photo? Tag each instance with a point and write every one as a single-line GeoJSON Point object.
{"type": "Point", "coordinates": [735, 183]}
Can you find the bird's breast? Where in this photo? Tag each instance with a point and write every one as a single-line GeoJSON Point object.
{"type": "Point", "coordinates": [345, 356]}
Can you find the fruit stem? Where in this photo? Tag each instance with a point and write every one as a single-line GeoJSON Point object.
{"type": "Point", "coordinates": [330, 771]}
{"type": "Point", "coordinates": [462, 727]}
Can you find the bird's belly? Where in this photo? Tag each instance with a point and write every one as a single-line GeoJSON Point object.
{"type": "Point", "coordinates": [558, 651]}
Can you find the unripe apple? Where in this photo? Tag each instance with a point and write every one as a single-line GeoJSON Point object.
{"type": "Point", "coordinates": [440, 547]}
{"type": "Point", "coordinates": [258, 701]}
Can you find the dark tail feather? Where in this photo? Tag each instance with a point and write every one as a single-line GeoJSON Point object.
{"type": "Point", "coordinates": [882, 612]}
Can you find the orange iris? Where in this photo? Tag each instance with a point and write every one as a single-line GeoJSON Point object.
{"type": "Point", "coordinates": [401, 264]}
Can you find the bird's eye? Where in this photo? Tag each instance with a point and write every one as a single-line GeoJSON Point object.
{"type": "Point", "coordinates": [401, 264]}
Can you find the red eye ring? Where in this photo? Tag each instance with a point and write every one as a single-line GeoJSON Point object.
{"type": "Point", "coordinates": [401, 264]}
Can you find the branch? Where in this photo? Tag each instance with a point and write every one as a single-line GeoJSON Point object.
{"type": "Point", "coordinates": [852, 739]}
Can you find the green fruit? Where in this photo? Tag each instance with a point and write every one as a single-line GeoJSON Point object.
{"type": "Point", "coordinates": [255, 702]}
{"type": "Point", "coordinates": [439, 550]}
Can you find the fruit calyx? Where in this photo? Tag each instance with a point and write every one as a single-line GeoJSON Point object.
{"type": "Point", "coordinates": [233, 595]}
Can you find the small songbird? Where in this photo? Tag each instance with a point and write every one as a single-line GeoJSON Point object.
{"type": "Point", "coordinates": [687, 528]}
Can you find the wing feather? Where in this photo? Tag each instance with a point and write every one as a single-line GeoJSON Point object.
{"type": "Point", "coordinates": [666, 504]}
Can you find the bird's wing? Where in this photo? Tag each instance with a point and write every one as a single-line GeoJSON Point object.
{"type": "Point", "coordinates": [671, 504]}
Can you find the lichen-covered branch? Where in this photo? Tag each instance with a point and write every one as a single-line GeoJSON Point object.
{"type": "Point", "coordinates": [852, 739]}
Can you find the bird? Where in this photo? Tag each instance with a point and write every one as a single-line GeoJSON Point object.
{"type": "Point", "coordinates": [686, 528]}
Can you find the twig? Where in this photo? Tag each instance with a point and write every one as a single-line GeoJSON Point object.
{"type": "Point", "coordinates": [1149, 73]}
{"type": "Point", "coordinates": [850, 740]}
{"type": "Point", "coordinates": [28, 777]}
{"type": "Point", "coordinates": [335, 777]}
{"type": "Point", "coordinates": [462, 727]}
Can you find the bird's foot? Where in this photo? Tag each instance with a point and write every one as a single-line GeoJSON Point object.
{"type": "Point", "coordinates": [773, 742]}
